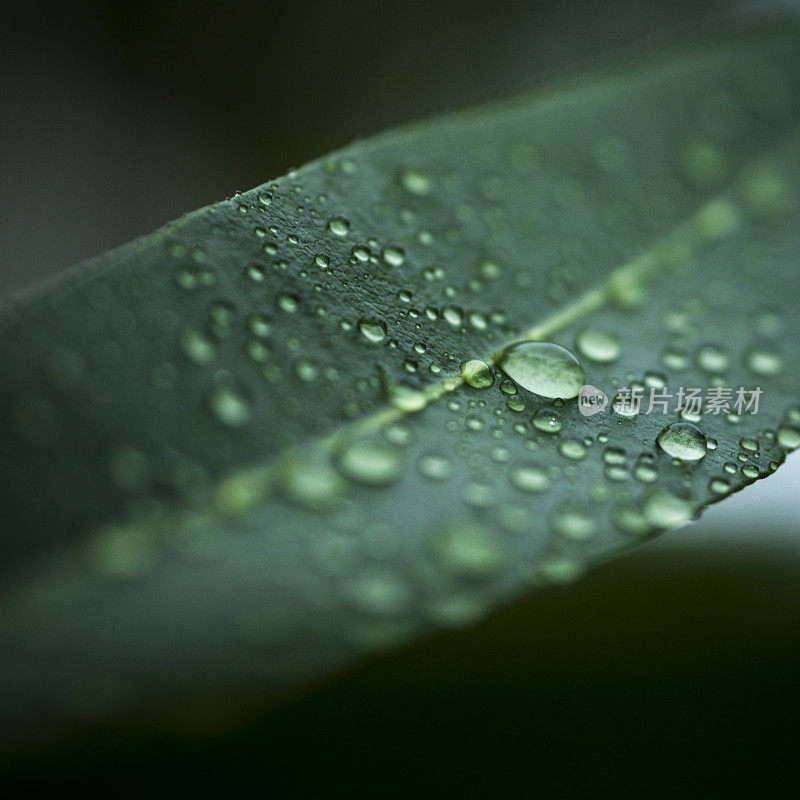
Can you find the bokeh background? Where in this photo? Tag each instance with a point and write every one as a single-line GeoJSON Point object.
{"type": "Point", "coordinates": [677, 664]}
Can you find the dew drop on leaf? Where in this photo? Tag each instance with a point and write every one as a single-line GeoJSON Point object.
{"type": "Point", "coordinates": [416, 182]}
{"type": "Point", "coordinates": [477, 374]}
{"type": "Point", "coordinates": [546, 421]}
{"type": "Point", "coordinates": [393, 256]}
{"type": "Point", "coordinates": [370, 461]}
{"type": "Point", "coordinates": [530, 478]}
{"type": "Point", "coordinates": [683, 441]}
{"type": "Point", "coordinates": [573, 449]}
{"type": "Point", "coordinates": [288, 303]}
{"type": "Point", "coordinates": [666, 510]}
{"type": "Point", "coordinates": [228, 404]}
{"type": "Point", "coordinates": [470, 550]}
{"type": "Point", "coordinates": [573, 522]}
{"type": "Point", "coordinates": [763, 362]}
{"type": "Point", "coordinates": [543, 368]}
{"type": "Point", "coordinates": [373, 330]}
{"type": "Point", "coordinates": [378, 592]}
{"type": "Point", "coordinates": [598, 345]}
{"type": "Point", "coordinates": [712, 358]}
{"type": "Point", "coordinates": [789, 437]}
{"type": "Point", "coordinates": [339, 226]}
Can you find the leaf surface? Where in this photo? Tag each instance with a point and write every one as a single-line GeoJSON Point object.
{"type": "Point", "coordinates": [239, 454]}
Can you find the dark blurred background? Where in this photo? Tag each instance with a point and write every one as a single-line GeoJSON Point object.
{"type": "Point", "coordinates": [678, 663]}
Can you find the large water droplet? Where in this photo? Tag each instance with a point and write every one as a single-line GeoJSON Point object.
{"type": "Point", "coordinates": [683, 441]}
{"type": "Point", "coordinates": [543, 368]}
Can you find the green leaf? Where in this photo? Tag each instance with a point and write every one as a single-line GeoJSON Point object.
{"type": "Point", "coordinates": [282, 432]}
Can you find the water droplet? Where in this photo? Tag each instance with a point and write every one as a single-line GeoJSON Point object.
{"type": "Point", "coordinates": [288, 303]}
{"type": "Point", "coordinates": [393, 256]}
{"type": "Point", "coordinates": [683, 441]}
{"type": "Point", "coordinates": [416, 182]}
{"type": "Point", "coordinates": [372, 330]}
{"type": "Point", "coordinates": [543, 368]}
{"type": "Point", "coordinates": [312, 484]}
{"type": "Point", "coordinates": [370, 461]}
{"type": "Point", "coordinates": [477, 374]}
{"type": "Point", "coordinates": [378, 592]}
{"type": "Point", "coordinates": [228, 404]}
{"type": "Point", "coordinates": [763, 362]}
{"type": "Point", "coordinates": [712, 358]}
{"type": "Point", "coordinates": [666, 510]}
{"type": "Point", "coordinates": [789, 437]}
{"type": "Point", "coordinates": [573, 522]}
{"type": "Point", "coordinates": [470, 550]}
{"type": "Point", "coordinates": [256, 272]}
{"type": "Point", "coordinates": [614, 455]}
{"type": "Point", "coordinates": [197, 347]}
{"type": "Point", "coordinates": [546, 421]}
{"type": "Point", "coordinates": [435, 467]}
{"type": "Point", "coordinates": [598, 345]}
{"type": "Point", "coordinates": [339, 226]}
{"type": "Point", "coordinates": [573, 449]}
{"type": "Point", "coordinates": [719, 486]}
{"type": "Point", "coordinates": [453, 315]}
{"type": "Point", "coordinates": [750, 471]}
{"type": "Point", "coordinates": [259, 326]}
{"type": "Point", "coordinates": [122, 551]}
{"type": "Point", "coordinates": [530, 478]}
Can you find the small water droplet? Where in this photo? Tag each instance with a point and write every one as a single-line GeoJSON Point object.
{"type": "Point", "coordinates": [763, 362]}
{"type": "Point", "coordinates": [666, 510]}
{"type": "Point", "coordinates": [339, 226]}
{"type": "Point", "coordinates": [370, 461]}
{"type": "Point", "coordinates": [470, 550]}
{"type": "Point", "coordinates": [393, 255]}
{"type": "Point", "coordinates": [197, 347]}
{"type": "Point", "coordinates": [373, 330]}
{"type": "Point", "coordinates": [573, 449]}
{"type": "Point", "coordinates": [378, 592]}
{"type": "Point", "coordinates": [573, 522]}
{"type": "Point", "coordinates": [789, 437]}
{"type": "Point", "coordinates": [546, 421]}
{"type": "Point", "coordinates": [288, 302]}
{"type": "Point", "coordinates": [712, 358]}
{"type": "Point", "coordinates": [530, 478]}
{"type": "Point", "coordinates": [683, 441]}
{"type": "Point", "coordinates": [435, 467]}
{"type": "Point", "coordinates": [228, 404]}
{"type": "Point", "coordinates": [598, 345]}
{"type": "Point", "coordinates": [477, 374]}
{"type": "Point", "coordinates": [416, 182]}
{"type": "Point", "coordinates": [453, 315]}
